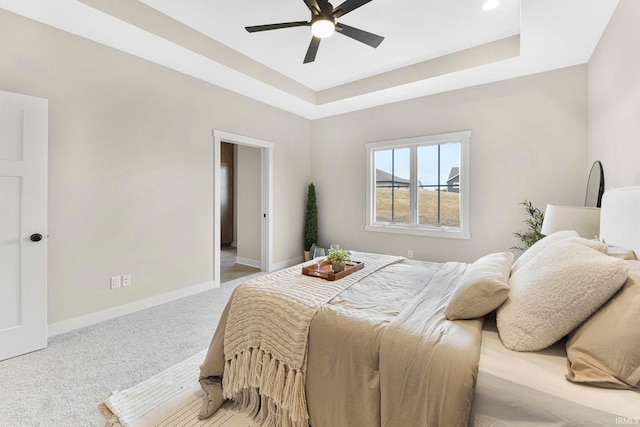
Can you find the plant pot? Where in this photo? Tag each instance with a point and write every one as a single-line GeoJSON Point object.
{"type": "Point", "coordinates": [306, 256]}
{"type": "Point", "coordinates": [337, 267]}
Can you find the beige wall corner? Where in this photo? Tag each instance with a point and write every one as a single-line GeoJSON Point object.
{"type": "Point", "coordinates": [614, 98]}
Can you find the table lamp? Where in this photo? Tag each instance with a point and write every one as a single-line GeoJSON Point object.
{"type": "Point", "coordinates": [583, 219]}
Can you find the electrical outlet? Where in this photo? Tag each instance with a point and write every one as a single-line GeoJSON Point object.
{"type": "Point", "coordinates": [126, 280]}
{"type": "Point", "coordinates": [409, 254]}
{"type": "Point", "coordinates": [116, 282]}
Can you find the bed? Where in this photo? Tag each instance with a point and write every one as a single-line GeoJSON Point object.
{"type": "Point", "coordinates": [530, 389]}
{"type": "Point", "coordinates": [378, 350]}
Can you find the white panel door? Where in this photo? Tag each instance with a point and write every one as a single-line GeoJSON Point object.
{"type": "Point", "coordinates": [23, 224]}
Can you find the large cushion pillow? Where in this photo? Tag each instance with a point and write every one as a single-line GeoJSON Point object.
{"type": "Point", "coordinates": [545, 242]}
{"type": "Point", "coordinates": [593, 244]}
{"type": "Point", "coordinates": [555, 292]}
{"type": "Point", "coordinates": [482, 288]}
{"type": "Point", "coordinates": [541, 245]}
{"type": "Point", "coordinates": [605, 350]}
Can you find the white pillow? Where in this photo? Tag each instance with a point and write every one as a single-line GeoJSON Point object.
{"type": "Point", "coordinates": [540, 245]}
{"type": "Point", "coordinates": [555, 292]}
{"type": "Point", "coordinates": [482, 288]}
{"type": "Point", "coordinates": [593, 244]}
{"type": "Point", "coordinates": [553, 238]}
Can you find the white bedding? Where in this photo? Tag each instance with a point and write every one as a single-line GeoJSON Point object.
{"type": "Point", "coordinates": [530, 389]}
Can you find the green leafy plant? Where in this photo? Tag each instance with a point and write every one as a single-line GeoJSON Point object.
{"type": "Point", "coordinates": [311, 219]}
{"type": "Point", "coordinates": [338, 255]}
{"type": "Point", "coordinates": [534, 224]}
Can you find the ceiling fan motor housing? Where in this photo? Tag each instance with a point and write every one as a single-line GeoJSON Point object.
{"type": "Point", "coordinates": [326, 10]}
{"type": "Point", "coordinates": [325, 14]}
{"type": "Point", "coordinates": [323, 24]}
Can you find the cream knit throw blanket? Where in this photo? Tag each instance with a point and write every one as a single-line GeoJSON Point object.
{"type": "Point", "coordinates": [265, 340]}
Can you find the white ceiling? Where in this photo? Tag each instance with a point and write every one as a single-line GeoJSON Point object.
{"type": "Point", "coordinates": [414, 31]}
{"type": "Point", "coordinates": [430, 46]}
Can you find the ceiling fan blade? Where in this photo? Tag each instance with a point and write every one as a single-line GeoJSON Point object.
{"type": "Point", "coordinates": [365, 37]}
{"type": "Point", "coordinates": [348, 6]}
{"type": "Point", "coordinates": [313, 49]}
{"type": "Point", "coordinates": [313, 6]}
{"type": "Point", "coordinates": [256, 28]}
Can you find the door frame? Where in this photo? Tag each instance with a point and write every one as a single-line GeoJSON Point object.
{"type": "Point", "coordinates": [266, 155]}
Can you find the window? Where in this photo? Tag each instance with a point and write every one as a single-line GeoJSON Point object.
{"type": "Point", "coordinates": [419, 186]}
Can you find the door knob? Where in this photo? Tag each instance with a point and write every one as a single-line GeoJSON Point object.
{"type": "Point", "coordinates": [36, 237]}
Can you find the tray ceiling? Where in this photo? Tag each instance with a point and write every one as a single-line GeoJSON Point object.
{"type": "Point", "coordinates": [430, 46]}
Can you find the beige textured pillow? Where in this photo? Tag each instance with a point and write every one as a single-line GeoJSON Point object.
{"type": "Point", "coordinates": [555, 292]}
{"type": "Point", "coordinates": [605, 350]}
{"type": "Point", "coordinates": [482, 288]}
{"type": "Point", "coordinates": [553, 238]}
{"type": "Point", "coordinates": [541, 245]}
{"type": "Point", "coordinates": [593, 244]}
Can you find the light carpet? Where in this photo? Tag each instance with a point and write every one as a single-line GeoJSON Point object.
{"type": "Point", "coordinates": [64, 384]}
{"type": "Point", "coordinates": [168, 399]}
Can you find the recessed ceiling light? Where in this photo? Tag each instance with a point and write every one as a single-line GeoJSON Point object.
{"type": "Point", "coordinates": [490, 4]}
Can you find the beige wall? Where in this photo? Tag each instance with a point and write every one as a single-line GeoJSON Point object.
{"type": "Point", "coordinates": [131, 166]}
{"type": "Point", "coordinates": [249, 213]}
{"type": "Point", "coordinates": [529, 141]}
{"type": "Point", "coordinates": [130, 182]}
{"type": "Point", "coordinates": [614, 98]}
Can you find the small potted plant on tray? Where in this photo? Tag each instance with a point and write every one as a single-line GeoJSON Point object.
{"type": "Point", "coordinates": [338, 257]}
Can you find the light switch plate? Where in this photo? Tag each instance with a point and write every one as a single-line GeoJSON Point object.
{"type": "Point", "coordinates": [116, 282]}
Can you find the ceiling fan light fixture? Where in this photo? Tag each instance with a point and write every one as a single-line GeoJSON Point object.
{"type": "Point", "coordinates": [490, 4]}
{"type": "Point", "coordinates": [322, 28]}
{"type": "Point", "coordinates": [323, 24]}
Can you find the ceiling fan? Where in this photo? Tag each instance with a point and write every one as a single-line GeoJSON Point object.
{"type": "Point", "coordinates": [323, 24]}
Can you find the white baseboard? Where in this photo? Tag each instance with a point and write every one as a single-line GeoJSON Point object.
{"type": "Point", "coordinates": [121, 310]}
{"type": "Point", "coordinates": [275, 266]}
{"type": "Point", "coordinates": [249, 262]}
{"type": "Point", "coordinates": [287, 263]}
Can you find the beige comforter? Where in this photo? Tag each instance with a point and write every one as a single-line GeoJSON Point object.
{"type": "Point", "coordinates": [381, 353]}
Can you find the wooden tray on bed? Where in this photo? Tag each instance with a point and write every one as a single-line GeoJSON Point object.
{"type": "Point", "coordinates": [325, 272]}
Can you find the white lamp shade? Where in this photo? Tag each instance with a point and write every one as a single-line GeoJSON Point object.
{"type": "Point", "coordinates": [584, 220]}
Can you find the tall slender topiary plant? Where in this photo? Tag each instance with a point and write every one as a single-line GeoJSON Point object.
{"type": "Point", "coordinates": [311, 219]}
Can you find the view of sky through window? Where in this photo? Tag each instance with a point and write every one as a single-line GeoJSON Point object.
{"type": "Point", "coordinates": [427, 169]}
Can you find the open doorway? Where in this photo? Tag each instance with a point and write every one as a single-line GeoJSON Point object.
{"type": "Point", "coordinates": [247, 173]}
{"type": "Point", "coordinates": [240, 211]}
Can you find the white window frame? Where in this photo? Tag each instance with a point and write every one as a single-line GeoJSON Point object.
{"type": "Point", "coordinates": [413, 228]}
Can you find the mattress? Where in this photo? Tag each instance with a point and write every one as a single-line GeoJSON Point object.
{"type": "Point", "coordinates": [530, 389]}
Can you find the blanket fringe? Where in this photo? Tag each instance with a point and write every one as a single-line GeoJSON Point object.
{"type": "Point", "coordinates": [267, 355]}
{"type": "Point", "coordinates": [266, 389]}
{"type": "Point", "coordinates": [114, 422]}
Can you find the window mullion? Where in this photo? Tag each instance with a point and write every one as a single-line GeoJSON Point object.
{"type": "Point", "coordinates": [439, 188]}
{"type": "Point", "coordinates": [393, 186]}
{"type": "Point", "coordinates": [413, 186]}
